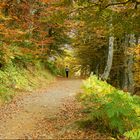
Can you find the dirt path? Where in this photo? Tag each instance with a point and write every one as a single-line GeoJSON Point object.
{"type": "Point", "coordinates": [20, 118]}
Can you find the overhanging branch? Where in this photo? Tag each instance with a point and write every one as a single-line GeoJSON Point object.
{"type": "Point", "coordinates": [117, 3]}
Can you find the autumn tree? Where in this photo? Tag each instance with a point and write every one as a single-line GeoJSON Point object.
{"type": "Point", "coordinates": [32, 29]}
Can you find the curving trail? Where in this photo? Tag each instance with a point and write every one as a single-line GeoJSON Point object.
{"type": "Point", "coordinates": [20, 118]}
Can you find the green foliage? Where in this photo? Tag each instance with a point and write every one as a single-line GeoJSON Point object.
{"type": "Point", "coordinates": [13, 78]}
{"type": "Point", "coordinates": [5, 93]}
{"type": "Point", "coordinates": [133, 134]}
{"type": "Point", "coordinates": [51, 66]}
{"type": "Point", "coordinates": [114, 109]}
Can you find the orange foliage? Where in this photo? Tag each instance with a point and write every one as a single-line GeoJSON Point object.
{"type": "Point", "coordinates": [19, 23]}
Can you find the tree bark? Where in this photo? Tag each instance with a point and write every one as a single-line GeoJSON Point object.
{"type": "Point", "coordinates": [125, 77]}
{"type": "Point", "coordinates": [109, 59]}
{"type": "Point", "coordinates": [128, 84]}
{"type": "Point", "coordinates": [132, 43]}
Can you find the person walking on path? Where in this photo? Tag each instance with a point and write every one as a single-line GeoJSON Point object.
{"type": "Point", "coordinates": [67, 71]}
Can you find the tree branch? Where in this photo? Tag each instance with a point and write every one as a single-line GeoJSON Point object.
{"type": "Point", "coordinates": [108, 5]}
{"type": "Point", "coordinates": [117, 3]}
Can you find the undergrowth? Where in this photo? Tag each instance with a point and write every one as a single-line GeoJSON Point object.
{"type": "Point", "coordinates": [113, 110]}
{"type": "Point", "coordinates": [14, 78]}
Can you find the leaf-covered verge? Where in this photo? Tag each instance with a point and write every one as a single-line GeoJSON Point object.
{"type": "Point", "coordinates": [113, 110]}
{"type": "Point", "coordinates": [14, 79]}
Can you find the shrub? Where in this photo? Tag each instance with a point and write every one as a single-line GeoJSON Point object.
{"type": "Point", "coordinates": [53, 69]}
{"type": "Point", "coordinates": [114, 109]}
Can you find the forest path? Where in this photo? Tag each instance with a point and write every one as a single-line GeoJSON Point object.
{"type": "Point", "coordinates": [20, 118]}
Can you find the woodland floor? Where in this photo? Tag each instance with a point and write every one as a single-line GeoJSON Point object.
{"type": "Point", "coordinates": [46, 114]}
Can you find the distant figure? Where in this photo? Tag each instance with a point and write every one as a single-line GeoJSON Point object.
{"type": "Point", "coordinates": [67, 71]}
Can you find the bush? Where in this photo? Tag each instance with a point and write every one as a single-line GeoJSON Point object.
{"type": "Point", "coordinates": [114, 109]}
{"type": "Point", "coordinates": [53, 69]}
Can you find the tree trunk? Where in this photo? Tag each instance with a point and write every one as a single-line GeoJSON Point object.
{"type": "Point", "coordinates": [125, 77]}
{"type": "Point", "coordinates": [109, 59]}
{"type": "Point", "coordinates": [128, 84]}
{"type": "Point", "coordinates": [132, 43]}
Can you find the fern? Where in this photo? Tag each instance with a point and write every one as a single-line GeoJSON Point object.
{"type": "Point", "coordinates": [114, 109]}
{"type": "Point", "coordinates": [133, 134]}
